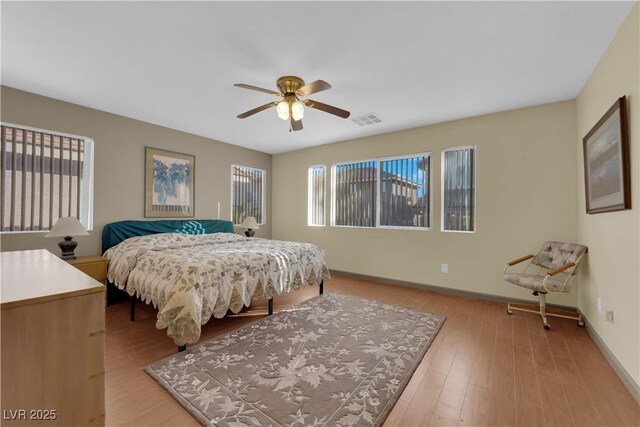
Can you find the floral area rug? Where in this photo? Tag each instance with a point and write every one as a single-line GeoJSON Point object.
{"type": "Point", "coordinates": [334, 360]}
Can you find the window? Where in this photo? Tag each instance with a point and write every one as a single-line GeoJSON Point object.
{"type": "Point", "coordinates": [458, 189]}
{"type": "Point", "coordinates": [45, 176]}
{"type": "Point", "coordinates": [354, 194]}
{"type": "Point", "coordinates": [392, 192]}
{"type": "Point", "coordinates": [317, 182]}
{"type": "Point", "coordinates": [405, 191]}
{"type": "Point", "coordinates": [247, 194]}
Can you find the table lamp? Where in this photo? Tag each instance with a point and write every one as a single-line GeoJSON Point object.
{"type": "Point", "coordinates": [67, 227]}
{"type": "Point", "coordinates": [250, 224]}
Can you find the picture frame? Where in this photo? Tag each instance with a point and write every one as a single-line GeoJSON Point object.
{"type": "Point", "coordinates": [607, 175]}
{"type": "Point", "coordinates": [169, 195]}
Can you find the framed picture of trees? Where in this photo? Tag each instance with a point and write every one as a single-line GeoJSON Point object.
{"type": "Point", "coordinates": [169, 184]}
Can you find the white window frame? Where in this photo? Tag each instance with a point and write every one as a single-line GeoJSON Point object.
{"type": "Point", "coordinates": [310, 192]}
{"type": "Point", "coordinates": [333, 193]}
{"type": "Point", "coordinates": [475, 189]}
{"type": "Point", "coordinates": [377, 207]}
{"type": "Point", "coordinates": [86, 204]}
{"type": "Point", "coordinates": [263, 198]}
{"type": "Point", "coordinates": [378, 199]}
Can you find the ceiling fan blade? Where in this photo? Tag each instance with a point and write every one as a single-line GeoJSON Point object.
{"type": "Point", "coordinates": [327, 108]}
{"type": "Point", "coordinates": [296, 124]}
{"type": "Point", "coordinates": [257, 110]}
{"type": "Point", "coordinates": [259, 89]}
{"type": "Point", "coordinates": [313, 87]}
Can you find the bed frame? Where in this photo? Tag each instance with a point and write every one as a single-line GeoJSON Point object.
{"type": "Point", "coordinates": [116, 232]}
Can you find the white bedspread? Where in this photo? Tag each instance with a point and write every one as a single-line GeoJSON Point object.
{"type": "Point", "coordinates": [189, 278]}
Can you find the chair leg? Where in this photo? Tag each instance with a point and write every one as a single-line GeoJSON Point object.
{"type": "Point", "coordinates": [546, 312]}
{"type": "Point", "coordinates": [543, 311]}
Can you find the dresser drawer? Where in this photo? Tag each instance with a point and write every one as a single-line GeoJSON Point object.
{"type": "Point", "coordinates": [98, 421]}
{"type": "Point", "coordinates": [93, 310]}
{"type": "Point", "coordinates": [96, 269]}
{"type": "Point", "coordinates": [95, 400]}
{"type": "Point", "coordinates": [95, 353]}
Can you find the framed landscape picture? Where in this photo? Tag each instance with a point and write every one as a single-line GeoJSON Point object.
{"type": "Point", "coordinates": [169, 184]}
{"type": "Point", "coordinates": [606, 162]}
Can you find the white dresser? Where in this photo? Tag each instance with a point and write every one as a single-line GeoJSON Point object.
{"type": "Point", "coordinates": [52, 342]}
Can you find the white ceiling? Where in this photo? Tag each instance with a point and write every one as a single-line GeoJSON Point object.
{"type": "Point", "coordinates": [412, 63]}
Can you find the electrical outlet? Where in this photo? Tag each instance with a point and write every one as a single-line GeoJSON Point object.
{"type": "Point", "coordinates": [444, 268]}
{"type": "Point", "coordinates": [609, 316]}
{"type": "Point", "coordinates": [322, 252]}
{"type": "Point", "coordinates": [599, 305]}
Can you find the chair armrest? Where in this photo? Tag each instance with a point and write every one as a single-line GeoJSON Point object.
{"type": "Point", "coordinates": [519, 260]}
{"type": "Point", "coordinates": [561, 269]}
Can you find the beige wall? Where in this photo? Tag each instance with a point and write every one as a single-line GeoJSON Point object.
{"type": "Point", "coordinates": [119, 164]}
{"type": "Point", "coordinates": [526, 193]}
{"type": "Point", "coordinates": [612, 269]}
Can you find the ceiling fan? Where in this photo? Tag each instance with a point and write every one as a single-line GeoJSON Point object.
{"type": "Point", "coordinates": [291, 108]}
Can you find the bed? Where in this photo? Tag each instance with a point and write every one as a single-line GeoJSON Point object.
{"type": "Point", "coordinates": [192, 270]}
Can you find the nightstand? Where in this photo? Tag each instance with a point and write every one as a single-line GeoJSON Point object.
{"type": "Point", "coordinates": [92, 266]}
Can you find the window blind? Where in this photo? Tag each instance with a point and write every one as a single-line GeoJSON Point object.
{"type": "Point", "coordinates": [404, 192]}
{"type": "Point", "coordinates": [458, 189]}
{"type": "Point", "coordinates": [354, 195]}
{"type": "Point", "coordinates": [247, 190]}
{"type": "Point", "coordinates": [42, 179]}
{"type": "Point", "coordinates": [316, 208]}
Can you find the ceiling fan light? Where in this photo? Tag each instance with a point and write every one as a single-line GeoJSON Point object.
{"type": "Point", "coordinates": [297, 110]}
{"type": "Point", "coordinates": [283, 110]}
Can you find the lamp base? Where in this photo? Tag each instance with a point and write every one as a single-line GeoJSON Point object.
{"type": "Point", "coordinates": [249, 233]}
{"type": "Point", "coordinates": [68, 245]}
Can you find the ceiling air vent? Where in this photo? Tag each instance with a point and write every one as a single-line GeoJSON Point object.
{"type": "Point", "coordinates": [367, 119]}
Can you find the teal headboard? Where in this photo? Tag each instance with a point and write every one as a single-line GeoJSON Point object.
{"type": "Point", "coordinates": [116, 232]}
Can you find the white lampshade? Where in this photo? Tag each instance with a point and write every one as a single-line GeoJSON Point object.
{"type": "Point", "coordinates": [67, 226]}
{"type": "Point", "coordinates": [283, 110]}
{"type": "Point", "coordinates": [297, 110]}
{"type": "Point", "coordinates": [250, 223]}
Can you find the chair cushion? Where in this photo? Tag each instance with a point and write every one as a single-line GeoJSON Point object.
{"type": "Point", "coordinates": [556, 254]}
{"type": "Point", "coordinates": [534, 282]}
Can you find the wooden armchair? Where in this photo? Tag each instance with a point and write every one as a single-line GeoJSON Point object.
{"type": "Point", "coordinates": [550, 271]}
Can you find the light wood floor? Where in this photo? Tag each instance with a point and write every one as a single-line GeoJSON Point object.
{"type": "Point", "coordinates": [484, 368]}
